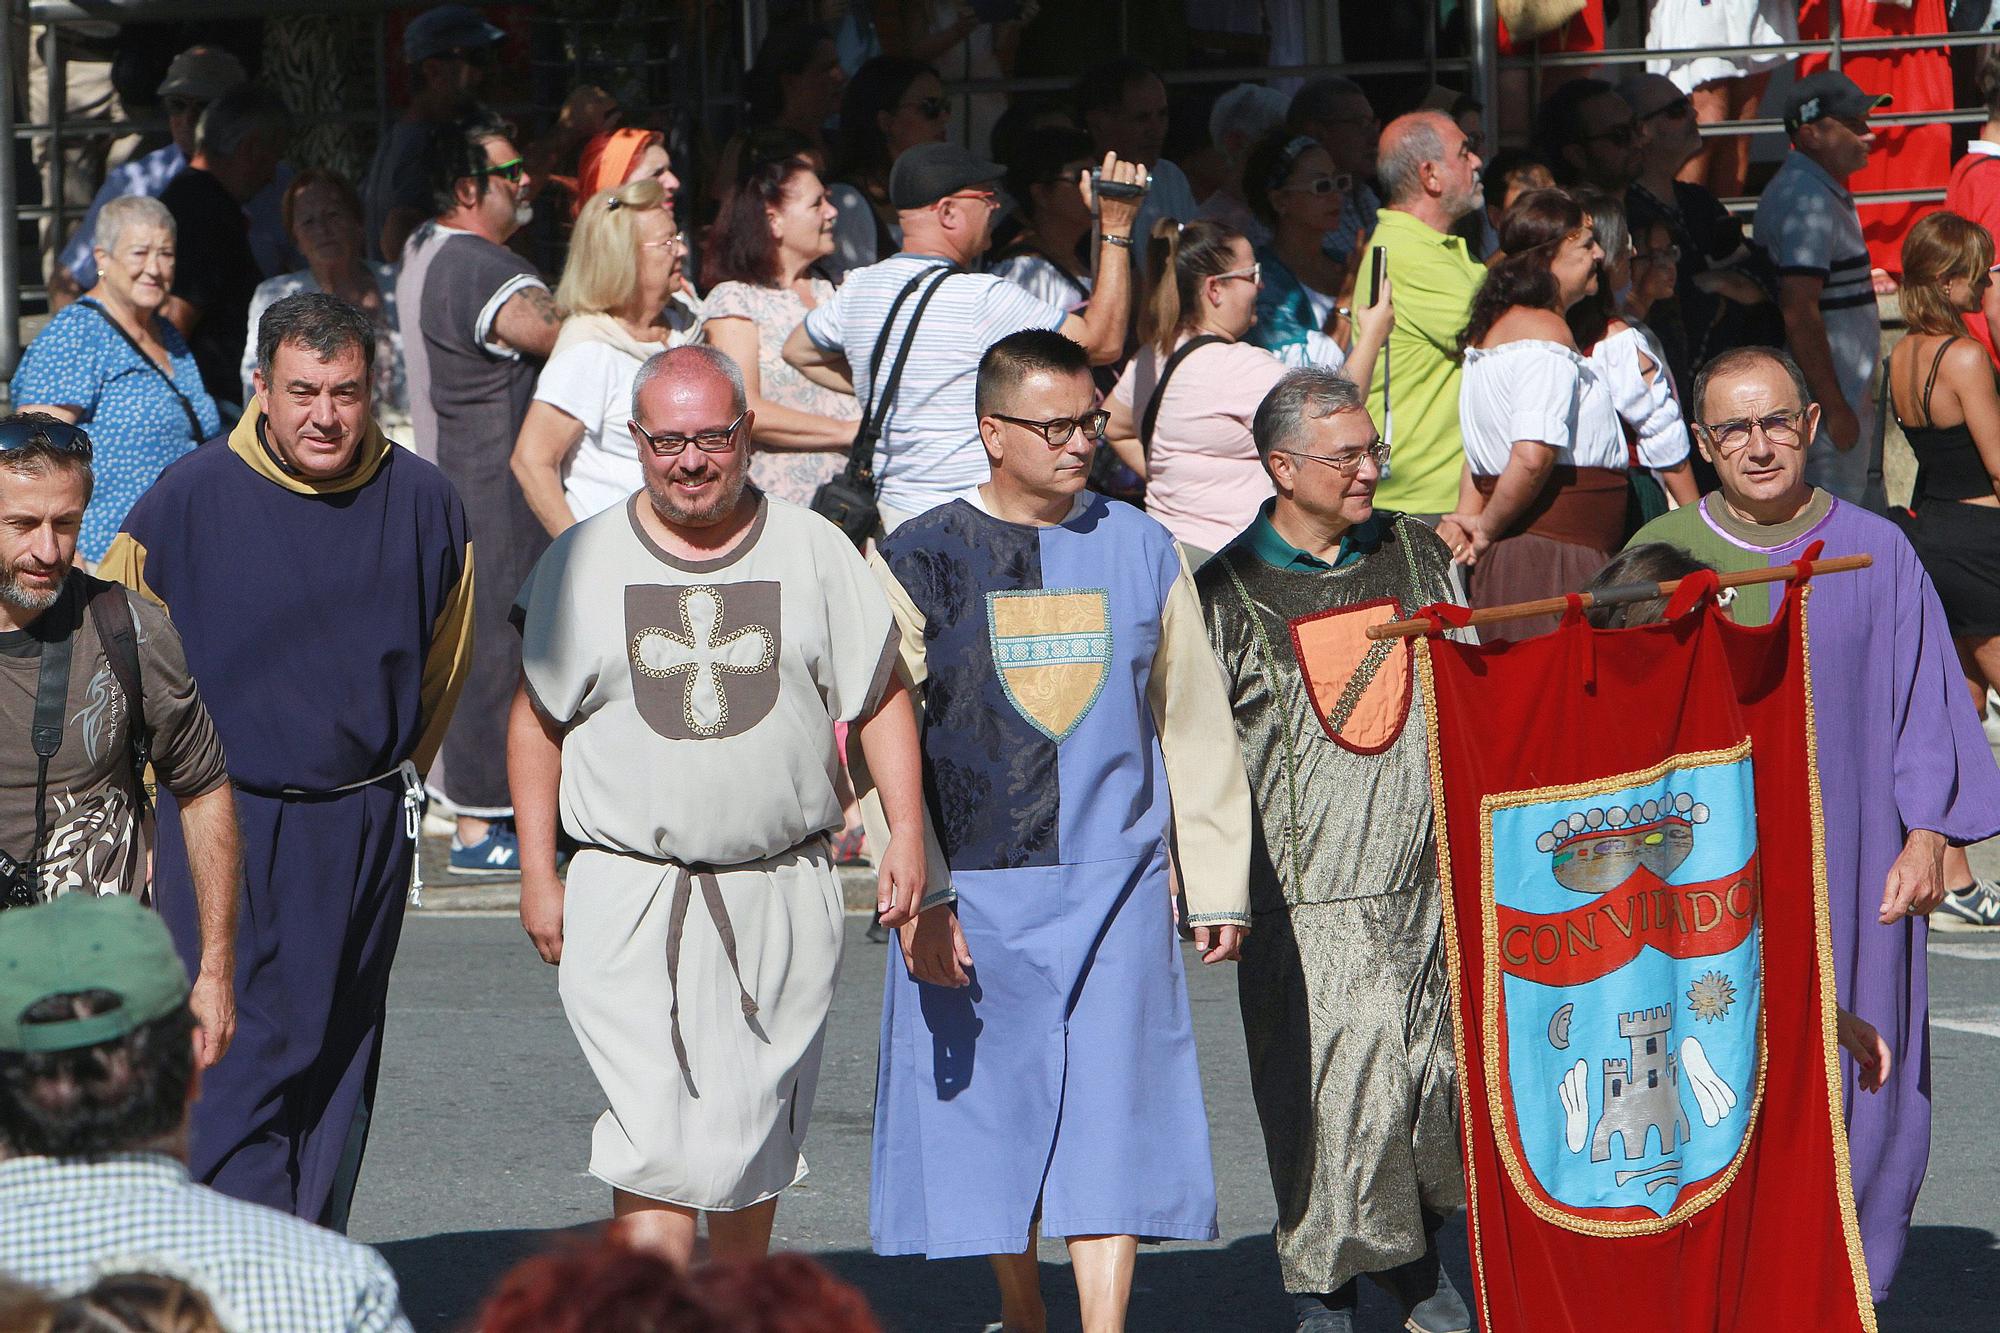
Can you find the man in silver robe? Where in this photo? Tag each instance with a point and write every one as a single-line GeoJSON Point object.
{"type": "Point", "coordinates": [1346, 1006]}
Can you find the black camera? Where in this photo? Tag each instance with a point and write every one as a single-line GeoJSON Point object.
{"type": "Point", "coordinates": [17, 884]}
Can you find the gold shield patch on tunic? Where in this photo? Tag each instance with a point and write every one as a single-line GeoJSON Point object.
{"type": "Point", "coordinates": [1359, 687]}
{"type": "Point", "coordinates": [1053, 653]}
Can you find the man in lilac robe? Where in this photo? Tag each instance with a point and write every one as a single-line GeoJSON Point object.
{"type": "Point", "coordinates": [1904, 768]}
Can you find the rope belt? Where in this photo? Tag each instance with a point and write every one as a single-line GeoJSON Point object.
{"type": "Point", "coordinates": [413, 811]}
{"type": "Point", "coordinates": [687, 876]}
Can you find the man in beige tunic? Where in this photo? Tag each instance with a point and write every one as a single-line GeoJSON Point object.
{"type": "Point", "coordinates": [685, 657]}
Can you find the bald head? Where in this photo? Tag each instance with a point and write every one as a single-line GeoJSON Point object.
{"type": "Point", "coordinates": [1648, 93]}
{"type": "Point", "coordinates": [687, 375]}
{"type": "Point", "coordinates": [1428, 168]}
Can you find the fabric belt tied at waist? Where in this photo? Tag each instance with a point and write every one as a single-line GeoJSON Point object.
{"type": "Point", "coordinates": [687, 877]}
{"type": "Point", "coordinates": [413, 811]}
{"type": "Point", "coordinates": [1583, 506]}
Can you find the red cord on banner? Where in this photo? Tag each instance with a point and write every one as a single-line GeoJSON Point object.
{"type": "Point", "coordinates": [1703, 583]}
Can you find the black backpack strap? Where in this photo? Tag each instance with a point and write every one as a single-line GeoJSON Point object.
{"type": "Point", "coordinates": [1152, 414]}
{"type": "Point", "coordinates": [111, 613]}
{"type": "Point", "coordinates": [875, 414]}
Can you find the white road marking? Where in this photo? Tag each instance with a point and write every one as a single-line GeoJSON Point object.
{"type": "Point", "coordinates": [1979, 1027]}
{"type": "Point", "coordinates": [1977, 952]}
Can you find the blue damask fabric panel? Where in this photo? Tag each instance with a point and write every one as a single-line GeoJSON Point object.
{"type": "Point", "coordinates": [992, 780]}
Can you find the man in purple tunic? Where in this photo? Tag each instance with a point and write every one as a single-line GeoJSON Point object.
{"type": "Point", "coordinates": [1904, 769]}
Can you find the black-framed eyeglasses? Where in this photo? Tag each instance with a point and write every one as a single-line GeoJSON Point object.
{"type": "Point", "coordinates": [1678, 109]}
{"type": "Point", "coordinates": [1348, 461]}
{"type": "Point", "coordinates": [1670, 255]}
{"type": "Point", "coordinates": [1785, 429]}
{"type": "Point", "coordinates": [1622, 135]}
{"type": "Point", "coordinates": [510, 171]}
{"type": "Point", "coordinates": [49, 432]}
{"type": "Point", "coordinates": [670, 445]}
{"type": "Point", "coordinates": [1057, 430]}
{"type": "Point", "coordinates": [930, 108]}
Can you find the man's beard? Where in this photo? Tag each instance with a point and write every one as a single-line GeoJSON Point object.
{"type": "Point", "coordinates": [1460, 205]}
{"type": "Point", "coordinates": [668, 504]}
{"type": "Point", "coordinates": [18, 595]}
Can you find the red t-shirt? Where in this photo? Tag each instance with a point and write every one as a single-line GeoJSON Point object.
{"type": "Point", "coordinates": [1974, 193]}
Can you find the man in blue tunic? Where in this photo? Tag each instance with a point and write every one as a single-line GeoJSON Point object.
{"type": "Point", "coordinates": [1038, 1061]}
{"type": "Point", "coordinates": [320, 578]}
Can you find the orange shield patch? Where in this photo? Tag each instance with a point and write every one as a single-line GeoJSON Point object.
{"type": "Point", "coordinates": [1359, 687]}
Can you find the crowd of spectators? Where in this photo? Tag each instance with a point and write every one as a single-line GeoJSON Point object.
{"type": "Point", "coordinates": [1525, 321]}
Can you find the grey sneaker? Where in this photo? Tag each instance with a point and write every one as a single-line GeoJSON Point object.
{"type": "Point", "coordinates": [1974, 908]}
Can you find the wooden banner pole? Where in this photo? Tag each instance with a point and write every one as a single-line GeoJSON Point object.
{"type": "Point", "coordinates": [1627, 593]}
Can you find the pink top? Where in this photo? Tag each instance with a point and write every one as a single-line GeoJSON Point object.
{"type": "Point", "coordinates": [1204, 481]}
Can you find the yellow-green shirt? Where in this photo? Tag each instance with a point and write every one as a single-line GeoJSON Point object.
{"type": "Point", "coordinates": [1433, 278]}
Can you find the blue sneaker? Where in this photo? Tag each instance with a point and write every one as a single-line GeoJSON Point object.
{"type": "Point", "coordinates": [1974, 908]}
{"type": "Point", "coordinates": [495, 855]}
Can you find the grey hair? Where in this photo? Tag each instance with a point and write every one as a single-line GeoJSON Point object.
{"type": "Point", "coordinates": [1248, 109]}
{"type": "Point", "coordinates": [690, 360]}
{"type": "Point", "coordinates": [323, 324]}
{"type": "Point", "coordinates": [244, 111]}
{"type": "Point", "coordinates": [128, 210]}
{"type": "Point", "coordinates": [1313, 393]}
{"type": "Point", "coordinates": [1737, 360]}
{"type": "Point", "coordinates": [1399, 162]}
{"type": "Point", "coordinates": [1314, 101]}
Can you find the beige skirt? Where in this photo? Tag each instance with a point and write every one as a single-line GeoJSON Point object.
{"type": "Point", "coordinates": [710, 1098]}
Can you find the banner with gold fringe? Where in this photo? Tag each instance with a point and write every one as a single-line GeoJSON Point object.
{"type": "Point", "coordinates": [1637, 928]}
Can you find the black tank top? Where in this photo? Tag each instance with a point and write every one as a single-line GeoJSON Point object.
{"type": "Point", "coordinates": [1948, 462]}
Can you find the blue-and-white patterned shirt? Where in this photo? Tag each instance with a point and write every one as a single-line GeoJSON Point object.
{"type": "Point", "coordinates": [65, 1222]}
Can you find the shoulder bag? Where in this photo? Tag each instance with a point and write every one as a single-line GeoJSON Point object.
{"type": "Point", "coordinates": [1152, 413]}
{"type": "Point", "coordinates": [195, 428]}
{"type": "Point", "coordinates": [848, 501]}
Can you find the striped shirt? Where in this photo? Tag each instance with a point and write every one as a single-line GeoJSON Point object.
{"type": "Point", "coordinates": [930, 449]}
{"type": "Point", "coordinates": [65, 1222]}
{"type": "Point", "coordinates": [1806, 220]}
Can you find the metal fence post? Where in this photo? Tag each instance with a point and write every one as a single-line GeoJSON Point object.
{"type": "Point", "coordinates": [1484, 30]}
{"type": "Point", "coordinates": [53, 238]}
{"type": "Point", "coordinates": [10, 218]}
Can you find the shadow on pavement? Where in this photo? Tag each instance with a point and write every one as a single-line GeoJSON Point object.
{"type": "Point", "coordinates": [445, 1277]}
{"type": "Point", "coordinates": [1950, 1280]}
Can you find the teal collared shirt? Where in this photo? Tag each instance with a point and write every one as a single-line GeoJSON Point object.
{"type": "Point", "coordinates": [1264, 541]}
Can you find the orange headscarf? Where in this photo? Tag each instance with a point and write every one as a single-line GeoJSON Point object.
{"type": "Point", "coordinates": [606, 159]}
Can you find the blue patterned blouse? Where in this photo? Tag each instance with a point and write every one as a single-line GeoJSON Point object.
{"type": "Point", "coordinates": [136, 423]}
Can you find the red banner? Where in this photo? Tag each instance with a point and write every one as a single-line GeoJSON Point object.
{"type": "Point", "coordinates": [1635, 917]}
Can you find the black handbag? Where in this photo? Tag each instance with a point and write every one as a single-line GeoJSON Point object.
{"type": "Point", "coordinates": [848, 501]}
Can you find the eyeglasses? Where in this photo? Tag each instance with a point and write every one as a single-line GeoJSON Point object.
{"type": "Point", "coordinates": [1678, 109]}
{"type": "Point", "coordinates": [930, 108]}
{"type": "Point", "coordinates": [1670, 255]}
{"type": "Point", "coordinates": [1780, 428]}
{"type": "Point", "coordinates": [1339, 183]}
{"type": "Point", "coordinates": [183, 106]}
{"type": "Point", "coordinates": [1057, 430]}
{"type": "Point", "coordinates": [1622, 135]}
{"type": "Point", "coordinates": [987, 197]}
{"type": "Point", "coordinates": [670, 445]}
{"type": "Point", "coordinates": [510, 171]}
{"type": "Point", "coordinates": [1255, 273]}
{"type": "Point", "coordinates": [1348, 461]}
{"type": "Point", "coordinates": [676, 243]}
{"type": "Point", "coordinates": [45, 431]}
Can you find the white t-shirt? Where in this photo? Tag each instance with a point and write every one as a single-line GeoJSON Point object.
{"type": "Point", "coordinates": [592, 381]}
{"type": "Point", "coordinates": [930, 449]}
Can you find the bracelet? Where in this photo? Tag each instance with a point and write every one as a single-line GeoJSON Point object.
{"type": "Point", "coordinates": [1123, 242]}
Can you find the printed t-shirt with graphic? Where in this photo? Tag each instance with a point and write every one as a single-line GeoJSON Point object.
{"type": "Point", "coordinates": [93, 841]}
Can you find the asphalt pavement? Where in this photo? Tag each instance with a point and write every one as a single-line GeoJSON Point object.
{"type": "Point", "coordinates": [485, 1108]}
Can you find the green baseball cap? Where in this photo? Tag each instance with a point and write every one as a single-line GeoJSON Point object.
{"type": "Point", "coordinates": [81, 942]}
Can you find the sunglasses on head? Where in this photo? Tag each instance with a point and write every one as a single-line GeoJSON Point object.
{"type": "Point", "coordinates": [49, 433]}
{"type": "Point", "coordinates": [1335, 184]}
